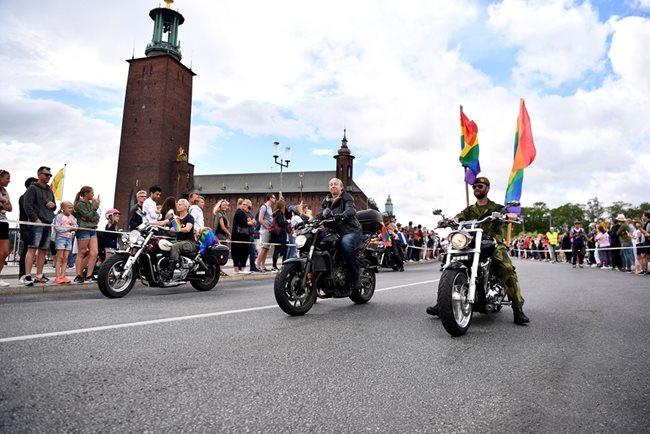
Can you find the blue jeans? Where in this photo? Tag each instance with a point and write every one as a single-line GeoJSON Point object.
{"type": "Point", "coordinates": [349, 244]}
{"type": "Point", "coordinates": [627, 256]}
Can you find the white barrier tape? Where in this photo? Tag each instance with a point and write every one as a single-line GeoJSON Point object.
{"type": "Point", "coordinates": [599, 249]}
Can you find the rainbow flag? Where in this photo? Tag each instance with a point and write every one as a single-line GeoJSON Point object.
{"type": "Point", "coordinates": [385, 236]}
{"type": "Point", "coordinates": [57, 184]}
{"type": "Point", "coordinates": [176, 223]}
{"type": "Point", "coordinates": [206, 239]}
{"type": "Point", "coordinates": [469, 148]}
{"type": "Point", "coordinates": [524, 155]}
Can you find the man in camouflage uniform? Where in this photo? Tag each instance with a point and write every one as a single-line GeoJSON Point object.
{"type": "Point", "coordinates": [501, 263]}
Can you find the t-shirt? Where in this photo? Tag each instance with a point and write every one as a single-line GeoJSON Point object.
{"type": "Point", "coordinates": [150, 211]}
{"type": "Point", "coordinates": [5, 195]}
{"type": "Point", "coordinates": [189, 236]}
{"type": "Point", "coordinates": [578, 236]}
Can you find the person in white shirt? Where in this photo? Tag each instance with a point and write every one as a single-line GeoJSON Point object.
{"type": "Point", "coordinates": [150, 210]}
{"type": "Point", "coordinates": [196, 210]}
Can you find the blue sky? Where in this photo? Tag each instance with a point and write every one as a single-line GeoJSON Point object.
{"type": "Point", "coordinates": [392, 73]}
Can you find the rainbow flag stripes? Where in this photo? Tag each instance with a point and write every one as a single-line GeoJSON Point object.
{"type": "Point", "coordinates": [176, 223]}
{"type": "Point", "coordinates": [524, 155]}
{"type": "Point", "coordinates": [469, 148]}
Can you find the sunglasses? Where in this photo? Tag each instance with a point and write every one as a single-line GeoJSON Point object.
{"type": "Point", "coordinates": [475, 186]}
{"type": "Point", "coordinates": [46, 174]}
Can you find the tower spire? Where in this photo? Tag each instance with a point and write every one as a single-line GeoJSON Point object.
{"type": "Point", "coordinates": [166, 21]}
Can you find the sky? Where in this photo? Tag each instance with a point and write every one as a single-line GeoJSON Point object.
{"type": "Point", "coordinates": [391, 72]}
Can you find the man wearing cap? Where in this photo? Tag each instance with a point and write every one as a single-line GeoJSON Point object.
{"type": "Point", "coordinates": [501, 263]}
{"type": "Point", "coordinates": [578, 239]}
{"type": "Point", "coordinates": [552, 236]}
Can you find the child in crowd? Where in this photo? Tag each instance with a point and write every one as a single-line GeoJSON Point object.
{"type": "Point", "coordinates": [64, 227]}
{"type": "Point", "coordinates": [108, 240]}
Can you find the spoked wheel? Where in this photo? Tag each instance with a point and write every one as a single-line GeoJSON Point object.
{"type": "Point", "coordinates": [454, 309]}
{"type": "Point", "coordinates": [209, 280]}
{"type": "Point", "coordinates": [110, 280]}
{"type": "Point", "coordinates": [290, 295]}
{"type": "Point", "coordinates": [363, 295]}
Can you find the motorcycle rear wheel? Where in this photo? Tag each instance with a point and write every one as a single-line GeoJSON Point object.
{"type": "Point", "coordinates": [364, 295]}
{"type": "Point", "coordinates": [292, 298]}
{"type": "Point", "coordinates": [453, 308]}
{"type": "Point", "coordinates": [108, 280]}
{"type": "Point", "coordinates": [209, 281]}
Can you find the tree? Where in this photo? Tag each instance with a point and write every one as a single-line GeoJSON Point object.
{"type": "Point", "coordinates": [595, 211]}
{"type": "Point", "coordinates": [536, 218]}
{"type": "Point", "coordinates": [638, 211]}
{"type": "Point", "coordinates": [618, 207]}
{"type": "Point", "coordinates": [564, 216]}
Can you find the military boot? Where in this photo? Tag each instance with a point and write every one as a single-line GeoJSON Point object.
{"type": "Point", "coordinates": [519, 316]}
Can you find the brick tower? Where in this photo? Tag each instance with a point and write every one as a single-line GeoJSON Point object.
{"type": "Point", "coordinates": [344, 163]}
{"type": "Point", "coordinates": [155, 138]}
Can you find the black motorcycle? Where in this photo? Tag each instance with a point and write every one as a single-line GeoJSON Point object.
{"type": "Point", "coordinates": [320, 268]}
{"type": "Point", "coordinates": [146, 257]}
{"type": "Point", "coordinates": [467, 284]}
{"type": "Point", "coordinates": [384, 254]}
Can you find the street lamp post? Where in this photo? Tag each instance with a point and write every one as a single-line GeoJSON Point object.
{"type": "Point", "coordinates": [283, 161]}
{"type": "Point", "coordinates": [301, 174]}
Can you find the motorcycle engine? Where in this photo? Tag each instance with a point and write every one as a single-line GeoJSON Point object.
{"type": "Point", "coordinates": [340, 279]}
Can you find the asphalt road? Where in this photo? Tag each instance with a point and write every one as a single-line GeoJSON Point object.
{"type": "Point", "coordinates": [229, 360]}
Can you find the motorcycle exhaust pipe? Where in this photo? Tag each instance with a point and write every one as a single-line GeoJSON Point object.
{"type": "Point", "coordinates": [489, 307]}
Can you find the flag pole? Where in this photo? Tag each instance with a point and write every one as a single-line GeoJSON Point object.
{"type": "Point", "coordinates": [65, 168]}
{"type": "Point", "coordinates": [464, 173]}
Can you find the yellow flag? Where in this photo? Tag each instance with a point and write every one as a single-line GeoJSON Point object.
{"type": "Point", "coordinates": [57, 184]}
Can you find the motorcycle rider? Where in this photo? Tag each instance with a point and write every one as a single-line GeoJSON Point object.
{"type": "Point", "coordinates": [184, 237]}
{"type": "Point", "coordinates": [343, 211]}
{"type": "Point", "coordinates": [501, 263]}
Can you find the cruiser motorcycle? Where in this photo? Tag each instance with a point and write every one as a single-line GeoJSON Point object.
{"type": "Point", "coordinates": [146, 256]}
{"type": "Point", "coordinates": [320, 269]}
{"type": "Point", "coordinates": [467, 284]}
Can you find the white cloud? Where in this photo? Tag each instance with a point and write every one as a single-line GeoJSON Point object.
{"type": "Point", "coordinates": [323, 152]}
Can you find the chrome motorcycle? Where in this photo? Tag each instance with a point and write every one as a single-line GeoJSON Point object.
{"type": "Point", "coordinates": [146, 257]}
{"type": "Point", "coordinates": [467, 283]}
{"type": "Point", "coordinates": [320, 269]}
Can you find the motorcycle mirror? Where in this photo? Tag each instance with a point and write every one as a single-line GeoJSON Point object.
{"type": "Point", "coordinates": [437, 212]}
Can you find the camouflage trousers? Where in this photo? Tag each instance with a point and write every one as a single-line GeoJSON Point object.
{"type": "Point", "coordinates": [503, 268]}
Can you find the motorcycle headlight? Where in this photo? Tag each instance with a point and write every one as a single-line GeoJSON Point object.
{"type": "Point", "coordinates": [134, 237]}
{"type": "Point", "coordinates": [301, 240]}
{"type": "Point", "coordinates": [458, 240]}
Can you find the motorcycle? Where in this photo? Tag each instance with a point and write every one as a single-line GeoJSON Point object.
{"type": "Point", "coordinates": [467, 284]}
{"type": "Point", "coordinates": [146, 257]}
{"type": "Point", "coordinates": [320, 270]}
{"type": "Point", "coordinates": [383, 254]}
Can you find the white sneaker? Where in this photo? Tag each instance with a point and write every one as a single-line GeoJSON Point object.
{"type": "Point", "coordinates": [3, 284]}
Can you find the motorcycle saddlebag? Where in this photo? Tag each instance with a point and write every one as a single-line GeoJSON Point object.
{"type": "Point", "coordinates": [220, 252]}
{"type": "Point", "coordinates": [370, 220]}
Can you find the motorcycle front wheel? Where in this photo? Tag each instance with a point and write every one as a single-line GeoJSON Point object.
{"type": "Point", "coordinates": [363, 295]}
{"type": "Point", "coordinates": [453, 307]}
{"type": "Point", "coordinates": [210, 279]}
{"type": "Point", "coordinates": [109, 281]}
{"type": "Point", "coordinates": [290, 295]}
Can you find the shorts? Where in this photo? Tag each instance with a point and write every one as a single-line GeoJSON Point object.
{"type": "Point", "coordinates": [4, 230]}
{"type": "Point", "coordinates": [39, 237]}
{"type": "Point", "coordinates": [86, 234]}
{"type": "Point", "coordinates": [265, 238]}
{"type": "Point", "coordinates": [63, 243]}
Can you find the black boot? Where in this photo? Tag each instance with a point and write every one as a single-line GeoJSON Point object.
{"type": "Point", "coordinates": [433, 310]}
{"type": "Point", "coordinates": [519, 316]}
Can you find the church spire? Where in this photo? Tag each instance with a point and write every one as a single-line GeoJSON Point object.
{"type": "Point", "coordinates": [344, 162]}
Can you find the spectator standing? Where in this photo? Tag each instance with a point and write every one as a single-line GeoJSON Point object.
{"type": "Point", "coordinates": [197, 202]}
{"type": "Point", "coordinates": [566, 244]}
{"type": "Point", "coordinates": [150, 207]}
{"type": "Point", "coordinates": [252, 232]}
{"type": "Point", "coordinates": [279, 240]}
{"type": "Point", "coordinates": [25, 230]}
{"type": "Point", "coordinates": [168, 208]}
{"type": "Point", "coordinates": [625, 238]}
{"type": "Point", "coordinates": [65, 225]}
{"type": "Point", "coordinates": [265, 218]}
{"type": "Point", "coordinates": [221, 223]}
{"type": "Point", "coordinates": [5, 207]}
{"type": "Point", "coordinates": [602, 241]}
{"type": "Point", "coordinates": [640, 238]}
{"type": "Point", "coordinates": [578, 239]}
{"type": "Point", "coordinates": [240, 238]}
{"type": "Point", "coordinates": [135, 213]}
{"type": "Point", "coordinates": [39, 207]}
{"type": "Point", "coordinates": [615, 243]}
{"type": "Point", "coordinates": [109, 238]}
{"type": "Point", "coordinates": [85, 210]}
{"type": "Point", "coordinates": [552, 236]}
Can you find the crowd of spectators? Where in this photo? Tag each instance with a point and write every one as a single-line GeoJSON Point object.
{"type": "Point", "coordinates": [620, 244]}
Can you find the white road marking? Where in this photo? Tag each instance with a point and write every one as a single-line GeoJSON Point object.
{"type": "Point", "coordinates": [173, 319]}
